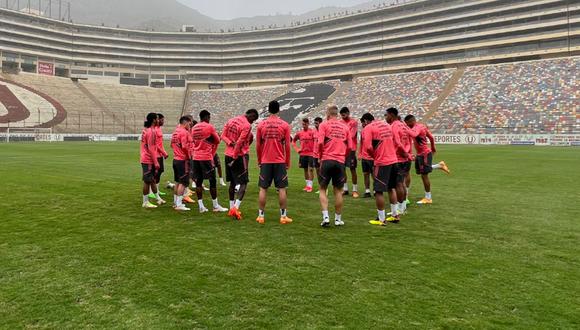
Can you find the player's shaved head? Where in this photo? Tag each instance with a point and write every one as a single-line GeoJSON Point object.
{"type": "Point", "coordinates": [252, 115]}
{"type": "Point", "coordinates": [332, 111]}
{"type": "Point", "coordinates": [204, 115]}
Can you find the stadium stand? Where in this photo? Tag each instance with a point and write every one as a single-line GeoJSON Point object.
{"type": "Point", "coordinates": [528, 97]}
{"type": "Point", "coordinates": [410, 92]}
{"type": "Point", "coordinates": [102, 108]}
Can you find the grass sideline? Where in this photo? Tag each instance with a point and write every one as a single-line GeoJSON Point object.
{"type": "Point", "coordinates": [498, 249]}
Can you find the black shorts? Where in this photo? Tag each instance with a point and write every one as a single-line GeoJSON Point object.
{"type": "Point", "coordinates": [216, 161]}
{"type": "Point", "coordinates": [191, 169]}
{"type": "Point", "coordinates": [385, 178]}
{"type": "Point", "coordinates": [423, 164]}
{"type": "Point", "coordinates": [181, 171]}
{"type": "Point", "coordinates": [161, 166]}
{"type": "Point", "coordinates": [238, 172]}
{"type": "Point", "coordinates": [316, 162]}
{"type": "Point", "coordinates": [404, 169]}
{"type": "Point", "coordinates": [306, 162]}
{"type": "Point", "coordinates": [273, 172]}
{"type": "Point", "coordinates": [148, 173]}
{"type": "Point", "coordinates": [203, 170]}
{"type": "Point", "coordinates": [367, 165]}
{"type": "Point", "coordinates": [351, 161]}
{"type": "Point", "coordinates": [334, 171]}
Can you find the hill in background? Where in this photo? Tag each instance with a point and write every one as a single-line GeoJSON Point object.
{"type": "Point", "coordinates": [171, 15]}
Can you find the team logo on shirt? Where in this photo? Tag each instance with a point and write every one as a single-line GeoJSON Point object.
{"type": "Point", "coordinates": [24, 107]}
{"type": "Point", "coordinates": [300, 101]}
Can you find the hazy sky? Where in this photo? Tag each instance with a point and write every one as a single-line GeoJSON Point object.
{"type": "Point", "coordinates": [228, 9]}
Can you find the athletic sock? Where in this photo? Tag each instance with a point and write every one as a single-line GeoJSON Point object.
{"type": "Point", "coordinates": [407, 189]}
{"type": "Point", "coordinates": [193, 185]}
{"type": "Point", "coordinates": [200, 203]}
{"type": "Point", "coordinates": [178, 200]}
{"type": "Point", "coordinates": [367, 191]}
{"type": "Point", "coordinates": [394, 212]}
{"type": "Point", "coordinates": [145, 199]}
{"type": "Point", "coordinates": [261, 213]}
{"type": "Point", "coordinates": [157, 188]}
{"type": "Point", "coordinates": [222, 181]}
{"type": "Point", "coordinates": [428, 195]}
{"type": "Point", "coordinates": [338, 217]}
{"type": "Point", "coordinates": [175, 200]}
{"type": "Point", "coordinates": [404, 207]}
{"type": "Point", "coordinates": [157, 195]}
{"type": "Point", "coordinates": [215, 203]}
{"type": "Point", "coordinates": [400, 208]}
{"type": "Point", "coordinates": [282, 212]}
{"type": "Point", "coordinates": [325, 216]}
{"type": "Point", "coordinates": [436, 166]}
{"type": "Point", "coordinates": [355, 188]}
{"type": "Point", "coordinates": [381, 214]}
{"type": "Point", "coordinates": [231, 204]}
{"type": "Point", "coordinates": [307, 182]}
{"type": "Point", "coordinates": [237, 203]}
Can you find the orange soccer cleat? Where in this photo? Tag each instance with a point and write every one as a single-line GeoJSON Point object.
{"type": "Point", "coordinates": [285, 221]}
{"type": "Point", "coordinates": [260, 220]}
{"type": "Point", "coordinates": [188, 200]}
{"type": "Point", "coordinates": [235, 213]}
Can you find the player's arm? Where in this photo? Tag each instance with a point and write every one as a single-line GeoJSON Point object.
{"type": "Point", "coordinates": [294, 144]}
{"type": "Point", "coordinates": [368, 145]}
{"type": "Point", "coordinates": [152, 148]}
{"type": "Point", "coordinates": [240, 142]}
{"type": "Point", "coordinates": [224, 137]}
{"type": "Point", "coordinates": [431, 139]}
{"type": "Point", "coordinates": [400, 149]}
{"type": "Point", "coordinates": [288, 137]}
{"type": "Point", "coordinates": [259, 145]}
{"type": "Point", "coordinates": [320, 143]}
{"type": "Point", "coordinates": [185, 147]}
{"type": "Point", "coordinates": [161, 148]}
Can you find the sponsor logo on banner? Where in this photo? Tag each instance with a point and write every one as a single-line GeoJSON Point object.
{"type": "Point", "coordinates": [46, 68]}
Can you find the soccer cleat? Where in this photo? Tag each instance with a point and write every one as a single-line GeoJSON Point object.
{"type": "Point", "coordinates": [170, 185]}
{"type": "Point", "coordinates": [189, 193]}
{"type": "Point", "coordinates": [368, 195]}
{"type": "Point", "coordinates": [395, 219]}
{"type": "Point", "coordinates": [338, 223]}
{"type": "Point", "coordinates": [355, 194]}
{"type": "Point", "coordinates": [205, 188]}
{"type": "Point", "coordinates": [161, 193]}
{"type": "Point", "coordinates": [203, 210]}
{"type": "Point", "coordinates": [149, 205]}
{"type": "Point", "coordinates": [377, 223]}
{"type": "Point", "coordinates": [161, 202]}
{"type": "Point", "coordinates": [222, 183]}
{"type": "Point", "coordinates": [181, 208]}
{"type": "Point", "coordinates": [305, 188]}
{"type": "Point", "coordinates": [425, 201]}
{"type": "Point", "coordinates": [220, 208]}
{"type": "Point", "coordinates": [444, 167]}
{"type": "Point", "coordinates": [260, 220]}
{"type": "Point", "coordinates": [188, 200]}
{"type": "Point", "coordinates": [317, 192]}
{"type": "Point", "coordinates": [152, 195]}
{"type": "Point", "coordinates": [325, 223]}
{"type": "Point", "coordinates": [407, 201]}
{"type": "Point", "coordinates": [285, 220]}
{"type": "Point", "coordinates": [235, 213]}
{"type": "Point", "coordinates": [308, 189]}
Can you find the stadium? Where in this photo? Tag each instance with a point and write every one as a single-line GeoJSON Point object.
{"type": "Point", "coordinates": [496, 82]}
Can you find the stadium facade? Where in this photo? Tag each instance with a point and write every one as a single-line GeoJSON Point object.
{"type": "Point", "coordinates": [420, 35]}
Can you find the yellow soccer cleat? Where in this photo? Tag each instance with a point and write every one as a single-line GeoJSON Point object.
{"type": "Point", "coordinates": [444, 167]}
{"type": "Point", "coordinates": [425, 201]}
{"type": "Point", "coordinates": [377, 223]}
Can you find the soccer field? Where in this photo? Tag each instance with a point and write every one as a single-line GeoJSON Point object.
{"type": "Point", "coordinates": [499, 248]}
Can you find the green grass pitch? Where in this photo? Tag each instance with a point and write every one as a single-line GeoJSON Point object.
{"type": "Point", "coordinates": [499, 248]}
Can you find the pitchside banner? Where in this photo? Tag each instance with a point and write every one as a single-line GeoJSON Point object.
{"type": "Point", "coordinates": [46, 68]}
{"type": "Point", "coordinates": [510, 139]}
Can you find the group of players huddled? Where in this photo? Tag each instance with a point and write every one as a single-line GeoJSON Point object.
{"type": "Point", "coordinates": [385, 150]}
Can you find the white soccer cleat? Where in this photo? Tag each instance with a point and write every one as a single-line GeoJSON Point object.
{"type": "Point", "coordinates": [170, 185]}
{"type": "Point", "coordinates": [222, 183]}
{"type": "Point", "coordinates": [182, 208]}
{"type": "Point", "coordinates": [205, 188]}
{"type": "Point", "coordinates": [203, 210]}
{"type": "Point", "coordinates": [338, 223]}
{"type": "Point", "coordinates": [149, 205]}
{"type": "Point", "coordinates": [161, 202]}
{"type": "Point", "coordinates": [220, 208]}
